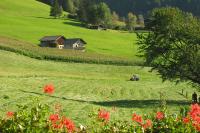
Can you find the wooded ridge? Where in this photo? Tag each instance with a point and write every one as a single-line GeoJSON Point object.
{"type": "Point", "coordinates": [122, 7]}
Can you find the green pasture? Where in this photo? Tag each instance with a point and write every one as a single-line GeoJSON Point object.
{"type": "Point", "coordinates": [84, 88]}
{"type": "Point", "coordinates": [79, 87]}
{"type": "Point", "coordinates": [29, 21]}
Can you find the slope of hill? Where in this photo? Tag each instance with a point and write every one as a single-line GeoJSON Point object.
{"type": "Point", "coordinates": [29, 21]}
{"type": "Point", "coordinates": [84, 88]}
{"type": "Point", "coordinates": [64, 55]}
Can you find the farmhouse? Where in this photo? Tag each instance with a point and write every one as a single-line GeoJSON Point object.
{"type": "Point", "coordinates": [75, 43]}
{"type": "Point", "coordinates": [53, 41]}
{"type": "Point", "coordinates": [62, 43]}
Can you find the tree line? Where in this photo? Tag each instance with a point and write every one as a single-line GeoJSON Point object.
{"type": "Point", "coordinates": [122, 7]}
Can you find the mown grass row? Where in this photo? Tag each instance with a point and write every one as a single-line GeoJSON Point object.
{"type": "Point", "coordinates": [37, 52]}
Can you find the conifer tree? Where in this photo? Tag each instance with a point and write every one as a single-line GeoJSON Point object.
{"type": "Point", "coordinates": [70, 6]}
{"type": "Point", "coordinates": [56, 9]}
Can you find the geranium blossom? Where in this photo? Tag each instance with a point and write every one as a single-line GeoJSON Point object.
{"type": "Point", "coordinates": [147, 124]}
{"type": "Point", "coordinates": [195, 116]}
{"type": "Point", "coordinates": [137, 118]}
{"type": "Point", "coordinates": [160, 115]}
{"type": "Point", "coordinates": [54, 117]}
{"type": "Point", "coordinates": [105, 115]}
{"type": "Point", "coordinates": [49, 89]}
{"type": "Point", "coordinates": [186, 120]}
{"type": "Point", "coordinates": [68, 124]}
{"type": "Point", "coordinates": [9, 114]}
{"type": "Point", "coordinates": [60, 123]}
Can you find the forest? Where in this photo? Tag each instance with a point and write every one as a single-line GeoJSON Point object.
{"type": "Point", "coordinates": [122, 7]}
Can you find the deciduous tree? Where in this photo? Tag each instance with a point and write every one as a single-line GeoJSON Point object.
{"type": "Point", "coordinates": [131, 21]}
{"type": "Point", "coordinates": [172, 45]}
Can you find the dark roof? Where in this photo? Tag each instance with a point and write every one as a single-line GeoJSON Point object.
{"type": "Point", "coordinates": [51, 38]}
{"type": "Point", "coordinates": [74, 40]}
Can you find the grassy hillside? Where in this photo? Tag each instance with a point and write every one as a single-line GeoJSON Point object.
{"type": "Point", "coordinates": [29, 21]}
{"type": "Point", "coordinates": [64, 55]}
{"type": "Point", "coordinates": [80, 88]}
{"type": "Point", "coordinates": [83, 88]}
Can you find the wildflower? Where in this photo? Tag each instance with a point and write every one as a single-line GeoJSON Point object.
{"type": "Point", "coordinates": [49, 89]}
{"type": "Point", "coordinates": [68, 124]}
{"type": "Point", "coordinates": [137, 118]}
{"type": "Point", "coordinates": [196, 126]}
{"type": "Point", "coordinates": [159, 115]}
{"type": "Point", "coordinates": [104, 115]}
{"type": "Point", "coordinates": [186, 120]}
{"type": "Point", "coordinates": [55, 121]}
{"type": "Point", "coordinates": [57, 125]}
{"type": "Point", "coordinates": [148, 124]}
{"type": "Point", "coordinates": [9, 114]}
{"type": "Point", "coordinates": [195, 116]}
{"type": "Point", "coordinates": [54, 118]}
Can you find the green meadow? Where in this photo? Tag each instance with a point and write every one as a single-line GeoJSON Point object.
{"type": "Point", "coordinates": [84, 88]}
{"type": "Point", "coordinates": [29, 21]}
{"type": "Point", "coordinates": [80, 88]}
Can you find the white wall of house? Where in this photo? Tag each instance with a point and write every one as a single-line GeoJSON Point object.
{"type": "Point", "coordinates": [60, 46]}
{"type": "Point", "coordinates": [76, 45]}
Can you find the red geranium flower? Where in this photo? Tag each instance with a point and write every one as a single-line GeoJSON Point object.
{"type": "Point", "coordinates": [60, 123]}
{"type": "Point", "coordinates": [54, 118]}
{"type": "Point", "coordinates": [195, 116]}
{"type": "Point", "coordinates": [104, 115]}
{"type": "Point", "coordinates": [148, 124]}
{"type": "Point", "coordinates": [196, 126]}
{"type": "Point", "coordinates": [160, 115]}
{"type": "Point", "coordinates": [57, 125]}
{"type": "Point", "coordinates": [49, 89]}
{"type": "Point", "coordinates": [55, 121]}
{"type": "Point", "coordinates": [68, 124]}
{"type": "Point", "coordinates": [137, 118]}
{"type": "Point", "coordinates": [186, 120]}
{"type": "Point", "coordinates": [9, 114]}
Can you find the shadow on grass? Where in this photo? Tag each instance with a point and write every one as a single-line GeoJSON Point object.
{"type": "Point", "coordinates": [140, 103]}
{"type": "Point", "coordinates": [74, 24]}
{"type": "Point", "coordinates": [45, 17]}
{"type": "Point", "coordinates": [122, 103]}
{"type": "Point", "coordinates": [52, 96]}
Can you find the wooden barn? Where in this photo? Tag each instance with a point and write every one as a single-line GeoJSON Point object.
{"type": "Point", "coordinates": [53, 41]}
{"type": "Point", "coordinates": [61, 42]}
{"type": "Point", "coordinates": [97, 27]}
